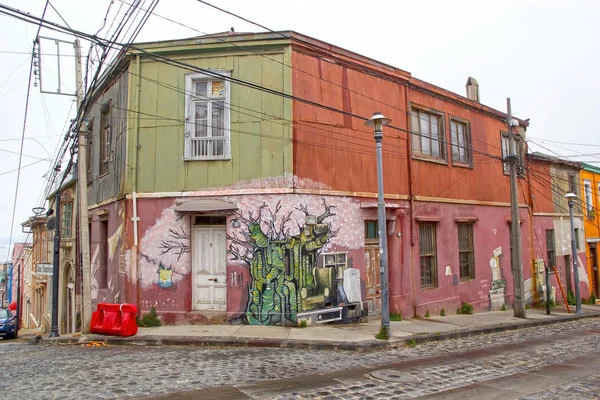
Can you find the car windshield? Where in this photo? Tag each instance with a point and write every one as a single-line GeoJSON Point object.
{"type": "Point", "coordinates": [5, 314]}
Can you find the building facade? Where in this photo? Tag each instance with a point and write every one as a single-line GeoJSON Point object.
{"type": "Point", "coordinates": [550, 179]}
{"type": "Point", "coordinates": [232, 178]}
{"type": "Point", "coordinates": [590, 189]}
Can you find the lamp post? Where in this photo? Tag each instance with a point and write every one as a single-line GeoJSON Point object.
{"type": "Point", "coordinates": [571, 198]}
{"type": "Point", "coordinates": [377, 122]}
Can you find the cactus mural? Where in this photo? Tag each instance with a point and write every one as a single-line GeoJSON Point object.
{"type": "Point", "coordinates": [282, 266]}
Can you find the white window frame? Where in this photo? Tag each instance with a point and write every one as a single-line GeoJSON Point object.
{"type": "Point", "coordinates": [588, 196]}
{"type": "Point", "coordinates": [190, 79]}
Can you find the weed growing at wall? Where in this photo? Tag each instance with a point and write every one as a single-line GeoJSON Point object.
{"type": "Point", "coordinates": [395, 317]}
{"type": "Point", "coordinates": [503, 307]}
{"type": "Point", "coordinates": [442, 313]}
{"type": "Point", "coordinates": [465, 308]}
{"type": "Point", "coordinates": [571, 298]}
{"type": "Point", "coordinates": [427, 315]}
{"type": "Point", "coordinates": [149, 319]}
{"type": "Point", "coordinates": [411, 343]}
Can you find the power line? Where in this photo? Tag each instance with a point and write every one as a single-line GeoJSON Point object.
{"type": "Point", "coordinates": [24, 155]}
{"type": "Point", "coordinates": [14, 211]}
{"type": "Point", "coordinates": [15, 70]}
{"type": "Point", "coordinates": [172, 62]}
{"type": "Point", "coordinates": [20, 168]}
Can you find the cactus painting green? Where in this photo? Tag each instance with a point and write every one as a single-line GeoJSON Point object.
{"type": "Point", "coordinates": [282, 265]}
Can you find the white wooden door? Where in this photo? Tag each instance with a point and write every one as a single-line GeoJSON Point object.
{"type": "Point", "coordinates": [209, 269]}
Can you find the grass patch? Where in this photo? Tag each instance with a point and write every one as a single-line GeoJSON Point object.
{"type": "Point", "coordinates": [442, 313]}
{"type": "Point", "coordinates": [411, 343]}
{"type": "Point", "coordinates": [150, 319]}
{"type": "Point", "coordinates": [571, 298]}
{"type": "Point", "coordinates": [527, 307]}
{"type": "Point", "coordinates": [427, 315]}
{"type": "Point", "coordinates": [503, 307]}
{"type": "Point", "coordinates": [395, 317]}
{"type": "Point", "coordinates": [383, 334]}
{"type": "Point", "coordinates": [302, 324]}
{"type": "Point", "coordinates": [465, 308]}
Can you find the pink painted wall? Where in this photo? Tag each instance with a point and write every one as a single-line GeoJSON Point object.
{"type": "Point", "coordinates": [491, 232]}
{"type": "Point", "coordinates": [112, 287]}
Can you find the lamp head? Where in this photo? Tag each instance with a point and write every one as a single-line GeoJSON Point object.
{"type": "Point", "coordinates": [377, 121]}
{"type": "Point", "coordinates": [571, 196]}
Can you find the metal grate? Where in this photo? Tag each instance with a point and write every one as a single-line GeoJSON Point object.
{"type": "Point", "coordinates": [550, 248]}
{"type": "Point", "coordinates": [465, 251]}
{"type": "Point", "coordinates": [428, 253]}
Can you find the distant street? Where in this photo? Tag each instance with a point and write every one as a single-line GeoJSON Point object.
{"type": "Point", "coordinates": [557, 361]}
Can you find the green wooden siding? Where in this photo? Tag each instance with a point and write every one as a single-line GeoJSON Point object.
{"type": "Point", "coordinates": [260, 122]}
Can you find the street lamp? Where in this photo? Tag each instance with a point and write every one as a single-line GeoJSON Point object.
{"type": "Point", "coordinates": [571, 198]}
{"type": "Point", "coordinates": [377, 122]}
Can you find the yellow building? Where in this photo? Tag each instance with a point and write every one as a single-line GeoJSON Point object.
{"type": "Point", "coordinates": [590, 184]}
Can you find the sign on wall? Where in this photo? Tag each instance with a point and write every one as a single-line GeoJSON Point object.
{"type": "Point", "coordinates": [43, 269]}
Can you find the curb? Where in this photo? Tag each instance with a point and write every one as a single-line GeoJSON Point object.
{"type": "Point", "coordinates": [363, 346]}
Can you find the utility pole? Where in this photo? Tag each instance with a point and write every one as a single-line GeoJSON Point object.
{"type": "Point", "coordinates": [515, 255]}
{"type": "Point", "coordinates": [84, 234]}
{"type": "Point", "coordinates": [570, 198]}
{"type": "Point", "coordinates": [55, 265]}
{"type": "Point", "coordinates": [19, 268]}
{"type": "Point", "coordinates": [377, 122]}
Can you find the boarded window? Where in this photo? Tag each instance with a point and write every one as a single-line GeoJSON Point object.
{"type": "Point", "coordinates": [550, 248]}
{"type": "Point", "coordinates": [465, 251]}
{"type": "Point", "coordinates": [461, 142]}
{"type": "Point", "coordinates": [428, 256]}
{"type": "Point", "coordinates": [573, 185]}
{"type": "Point", "coordinates": [427, 134]}
{"type": "Point", "coordinates": [207, 132]}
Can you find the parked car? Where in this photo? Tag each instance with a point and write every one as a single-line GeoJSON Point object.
{"type": "Point", "coordinates": [8, 324]}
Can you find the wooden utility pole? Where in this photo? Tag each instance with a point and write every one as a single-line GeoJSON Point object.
{"type": "Point", "coordinates": [515, 255]}
{"type": "Point", "coordinates": [84, 234]}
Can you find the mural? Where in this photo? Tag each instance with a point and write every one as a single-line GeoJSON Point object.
{"type": "Point", "coordinates": [285, 279]}
{"type": "Point", "coordinates": [165, 256]}
{"type": "Point", "coordinates": [165, 274]}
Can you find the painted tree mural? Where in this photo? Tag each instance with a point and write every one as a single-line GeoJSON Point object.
{"type": "Point", "coordinates": [281, 265]}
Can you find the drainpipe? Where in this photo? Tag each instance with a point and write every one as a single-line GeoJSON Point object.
{"type": "Point", "coordinates": [411, 193]}
{"type": "Point", "coordinates": [136, 218]}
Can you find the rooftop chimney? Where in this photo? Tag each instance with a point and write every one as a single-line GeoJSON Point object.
{"type": "Point", "coordinates": [472, 89]}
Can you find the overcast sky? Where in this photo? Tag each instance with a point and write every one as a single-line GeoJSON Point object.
{"type": "Point", "coordinates": [542, 54]}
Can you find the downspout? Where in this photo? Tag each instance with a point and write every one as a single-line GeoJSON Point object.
{"type": "Point", "coordinates": [411, 192]}
{"type": "Point", "coordinates": [135, 219]}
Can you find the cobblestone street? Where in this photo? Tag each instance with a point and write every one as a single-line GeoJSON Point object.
{"type": "Point", "coordinates": [79, 372]}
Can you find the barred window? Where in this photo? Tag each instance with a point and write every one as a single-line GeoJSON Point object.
{"type": "Point", "coordinates": [465, 251]}
{"type": "Point", "coordinates": [550, 248]}
{"type": "Point", "coordinates": [428, 255]}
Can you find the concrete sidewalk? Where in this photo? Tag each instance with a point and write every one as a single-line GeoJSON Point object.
{"type": "Point", "coordinates": [357, 337]}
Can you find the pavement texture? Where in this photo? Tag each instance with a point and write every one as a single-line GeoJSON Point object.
{"type": "Point", "coordinates": [552, 361]}
{"type": "Point", "coordinates": [355, 337]}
